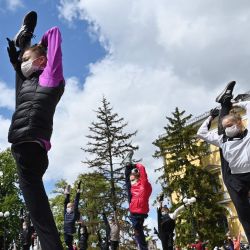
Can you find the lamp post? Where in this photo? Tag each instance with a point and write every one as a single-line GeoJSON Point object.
{"type": "Point", "coordinates": [4, 215]}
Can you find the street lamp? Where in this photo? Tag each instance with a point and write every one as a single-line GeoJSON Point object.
{"type": "Point", "coordinates": [4, 215]}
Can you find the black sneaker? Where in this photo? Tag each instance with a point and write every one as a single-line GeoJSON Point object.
{"type": "Point", "coordinates": [128, 158]}
{"type": "Point", "coordinates": [23, 37]}
{"type": "Point", "coordinates": [226, 94]}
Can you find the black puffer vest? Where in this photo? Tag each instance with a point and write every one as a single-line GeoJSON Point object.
{"type": "Point", "coordinates": [35, 108]}
{"type": "Point", "coordinates": [167, 224]}
{"type": "Point", "coordinates": [69, 222]}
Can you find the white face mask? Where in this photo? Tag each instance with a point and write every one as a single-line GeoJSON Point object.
{"type": "Point", "coordinates": [69, 210]}
{"type": "Point", "coordinates": [133, 181]}
{"type": "Point", "coordinates": [164, 213]}
{"type": "Point", "coordinates": [28, 68]}
{"type": "Point", "coordinates": [232, 131]}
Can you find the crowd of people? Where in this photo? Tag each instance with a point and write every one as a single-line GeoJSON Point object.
{"type": "Point", "coordinates": [39, 87]}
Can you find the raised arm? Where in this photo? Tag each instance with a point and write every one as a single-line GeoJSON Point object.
{"type": "Point", "coordinates": [159, 219]}
{"type": "Point", "coordinates": [67, 197]}
{"type": "Point", "coordinates": [128, 170]}
{"type": "Point", "coordinates": [77, 198]}
{"type": "Point", "coordinates": [53, 72]}
{"type": "Point", "coordinates": [76, 201]}
{"type": "Point", "coordinates": [142, 171]}
{"type": "Point", "coordinates": [245, 105]}
{"type": "Point", "coordinates": [211, 137]}
{"type": "Point", "coordinates": [66, 201]}
{"type": "Point", "coordinates": [175, 214]}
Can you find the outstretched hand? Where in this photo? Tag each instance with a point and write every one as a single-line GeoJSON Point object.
{"type": "Point", "coordinates": [12, 52]}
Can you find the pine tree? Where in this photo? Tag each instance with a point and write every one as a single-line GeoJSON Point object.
{"type": "Point", "coordinates": [108, 144]}
{"type": "Point", "coordinates": [185, 175]}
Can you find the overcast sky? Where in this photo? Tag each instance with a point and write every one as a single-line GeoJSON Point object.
{"type": "Point", "coordinates": [146, 57]}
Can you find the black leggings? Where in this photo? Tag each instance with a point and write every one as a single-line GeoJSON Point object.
{"type": "Point", "coordinates": [114, 245]}
{"type": "Point", "coordinates": [68, 241]}
{"type": "Point", "coordinates": [32, 162]}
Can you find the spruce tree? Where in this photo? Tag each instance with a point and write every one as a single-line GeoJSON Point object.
{"type": "Point", "coordinates": [108, 144]}
{"type": "Point", "coordinates": [184, 174]}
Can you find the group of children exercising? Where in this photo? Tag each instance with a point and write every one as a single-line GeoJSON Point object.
{"type": "Point", "coordinates": [39, 87]}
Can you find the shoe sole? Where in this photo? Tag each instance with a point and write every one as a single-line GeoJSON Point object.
{"type": "Point", "coordinates": [219, 97]}
{"type": "Point", "coordinates": [26, 22]}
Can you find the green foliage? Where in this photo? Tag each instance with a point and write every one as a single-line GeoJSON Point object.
{"type": "Point", "coordinates": [94, 200]}
{"type": "Point", "coordinates": [184, 174]}
{"type": "Point", "coordinates": [57, 205]}
{"type": "Point", "coordinates": [9, 197]}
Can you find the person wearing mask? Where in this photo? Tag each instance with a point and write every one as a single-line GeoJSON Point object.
{"type": "Point", "coordinates": [166, 221]}
{"type": "Point", "coordinates": [113, 230]}
{"type": "Point", "coordinates": [71, 215]}
{"type": "Point", "coordinates": [139, 190]}
{"type": "Point", "coordinates": [233, 139]}
{"type": "Point", "coordinates": [26, 235]}
{"type": "Point", "coordinates": [39, 87]}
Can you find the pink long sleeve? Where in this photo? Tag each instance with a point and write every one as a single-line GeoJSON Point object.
{"type": "Point", "coordinates": [52, 75]}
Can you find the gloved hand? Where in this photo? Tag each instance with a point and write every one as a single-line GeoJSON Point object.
{"type": "Point", "coordinates": [160, 197]}
{"type": "Point", "coordinates": [13, 53]}
{"type": "Point", "coordinates": [214, 112]}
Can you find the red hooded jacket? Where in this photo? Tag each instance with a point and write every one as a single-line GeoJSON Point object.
{"type": "Point", "coordinates": [140, 192]}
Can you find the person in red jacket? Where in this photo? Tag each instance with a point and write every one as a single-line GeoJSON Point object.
{"type": "Point", "coordinates": [139, 190]}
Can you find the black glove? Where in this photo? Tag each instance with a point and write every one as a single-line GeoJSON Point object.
{"type": "Point", "coordinates": [155, 231]}
{"type": "Point", "coordinates": [79, 185]}
{"type": "Point", "coordinates": [161, 198]}
{"type": "Point", "coordinates": [214, 112]}
{"type": "Point", "coordinates": [13, 54]}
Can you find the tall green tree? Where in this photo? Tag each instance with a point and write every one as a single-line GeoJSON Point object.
{"type": "Point", "coordinates": [9, 198]}
{"type": "Point", "coordinates": [108, 144]}
{"type": "Point", "coordinates": [185, 174]}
